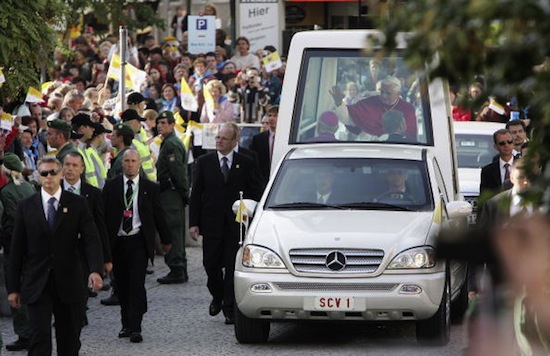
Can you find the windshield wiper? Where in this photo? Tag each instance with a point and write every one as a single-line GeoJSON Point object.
{"type": "Point", "coordinates": [375, 206]}
{"type": "Point", "coordinates": [305, 205]}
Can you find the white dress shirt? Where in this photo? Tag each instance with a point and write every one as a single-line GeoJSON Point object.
{"type": "Point", "coordinates": [46, 196]}
{"type": "Point", "coordinates": [136, 221]}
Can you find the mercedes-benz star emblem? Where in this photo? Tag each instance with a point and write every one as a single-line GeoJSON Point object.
{"type": "Point", "coordinates": [336, 261]}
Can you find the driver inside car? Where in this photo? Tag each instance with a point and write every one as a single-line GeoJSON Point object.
{"type": "Point", "coordinates": [395, 186]}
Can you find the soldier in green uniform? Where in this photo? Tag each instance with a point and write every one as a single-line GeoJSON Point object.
{"type": "Point", "coordinates": [121, 140]}
{"type": "Point", "coordinates": [10, 195]}
{"type": "Point", "coordinates": [59, 133]}
{"type": "Point", "coordinates": [174, 186]}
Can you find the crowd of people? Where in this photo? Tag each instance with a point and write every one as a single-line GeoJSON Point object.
{"type": "Point", "coordinates": [128, 168]}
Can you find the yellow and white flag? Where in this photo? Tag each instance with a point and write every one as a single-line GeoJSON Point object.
{"type": "Point", "coordinates": [179, 128]}
{"type": "Point", "coordinates": [496, 107]}
{"type": "Point", "coordinates": [242, 217]}
{"type": "Point", "coordinates": [272, 61]}
{"type": "Point", "coordinates": [188, 100]}
{"type": "Point", "coordinates": [6, 121]}
{"type": "Point", "coordinates": [2, 77]}
{"type": "Point", "coordinates": [34, 96]}
{"type": "Point", "coordinates": [209, 101]}
{"type": "Point", "coordinates": [134, 77]}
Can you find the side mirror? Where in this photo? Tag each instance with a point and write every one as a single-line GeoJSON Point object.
{"type": "Point", "coordinates": [459, 209]}
{"type": "Point", "coordinates": [249, 204]}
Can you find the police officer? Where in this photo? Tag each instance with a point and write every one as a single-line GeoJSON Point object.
{"type": "Point", "coordinates": [133, 119]}
{"type": "Point", "coordinates": [121, 140]}
{"type": "Point", "coordinates": [174, 187]}
{"type": "Point", "coordinates": [84, 126]}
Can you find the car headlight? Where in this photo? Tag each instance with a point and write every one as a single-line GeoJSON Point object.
{"type": "Point", "coordinates": [419, 257]}
{"type": "Point", "coordinates": [261, 257]}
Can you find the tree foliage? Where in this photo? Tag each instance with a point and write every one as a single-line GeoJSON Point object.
{"type": "Point", "coordinates": [133, 14]}
{"type": "Point", "coordinates": [28, 36]}
{"type": "Point", "coordinates": [27, 41]}
{"type": "Point", "coordinates": [507, 41]}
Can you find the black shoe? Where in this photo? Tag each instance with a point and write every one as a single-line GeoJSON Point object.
{"type": "Point", "coordinates": [136, 337]}
{"type": "Point", "coordinates": [149, 271]}
{"type": "Point", "coordinates": [112, 300]}
{"type": "Point", "coordinates": [124, 333]}
{"type": "Point", "coordinates": [215, 308]}
{"type": "Point", "coordinates": [92, 294]}
{"type": "Point", "coordinates": [19, 345]}
{"type": "Point", "coordinates": [172, 278]}
{"type": "Point", "coordinates": [229, 320]}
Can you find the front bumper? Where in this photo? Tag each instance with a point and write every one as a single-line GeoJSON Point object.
{"type": "Point", "coordinates": [282, 296]}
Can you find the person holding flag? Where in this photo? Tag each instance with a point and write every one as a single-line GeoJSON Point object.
{"type": "Point", "coordinates": [217, 109]}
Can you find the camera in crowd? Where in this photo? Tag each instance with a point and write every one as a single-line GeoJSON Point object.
{"type": "Point", "coordinates": [253, 79]}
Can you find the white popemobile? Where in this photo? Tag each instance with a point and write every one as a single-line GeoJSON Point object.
{"type": "Point", "coordinates": [346, 227]}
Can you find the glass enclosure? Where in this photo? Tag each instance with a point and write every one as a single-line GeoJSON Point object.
{"type": "Point", "coordinates": [345, 96]}
{"type": "Point", "coordinates": [352, 183]}
{"type": "Point", "coordinates": [474, 151]}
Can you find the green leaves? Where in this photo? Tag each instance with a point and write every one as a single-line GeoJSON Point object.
{"type": "Point", "coordinates": [507, 41]}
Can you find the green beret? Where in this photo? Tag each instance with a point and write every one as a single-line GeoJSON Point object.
{"type": "Point", "coordinates": [124, 130]}
{"type": "Point", "coordinates": [166, 115]}
{"type": "Point", "coordinates": [59, 124]}
{"type": "Point", "coordinates": [12, 162]}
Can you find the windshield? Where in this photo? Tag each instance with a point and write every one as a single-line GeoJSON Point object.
{"type": "Point", "coordinates": [474, 151]}
{"type": "Point", "coordinates": [344, 95]}
{"type": "Point", "coordinates": [351, 183]}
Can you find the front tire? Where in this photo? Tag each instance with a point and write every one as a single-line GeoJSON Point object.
{"type": "Point", "coordinates": [436, 331]}
{"type": "Point", "coordinates": [250, 331]}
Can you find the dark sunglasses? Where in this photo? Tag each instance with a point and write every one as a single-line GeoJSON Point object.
{"type": "Point", "coordinates": [502, 143]}
{"type": "Point", "coordinates": [51, 172]}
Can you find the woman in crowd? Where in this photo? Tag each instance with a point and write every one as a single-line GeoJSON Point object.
{"type": "Point", "coordinates": [170, 100]}
{"type": "Point", "coordinates": [222, 110]}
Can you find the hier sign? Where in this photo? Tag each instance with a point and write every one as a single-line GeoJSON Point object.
{"type": "Point", "coordinates": [259, 22]}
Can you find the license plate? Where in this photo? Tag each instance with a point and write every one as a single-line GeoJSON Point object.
{"type": "Point", "coordinates": [334, 303]}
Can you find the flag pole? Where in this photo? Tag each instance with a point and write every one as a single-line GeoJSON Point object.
{"type": "Point", "coordinates": [241, 222]}
{"type": "Point", "coordinates": [122, 82]}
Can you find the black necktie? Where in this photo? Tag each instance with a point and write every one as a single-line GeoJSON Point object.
{"type": "Point", "coordinates": [506, 171]}
{"type": "Point", "coordinates": [225, 169]}
{"type": "Point", "coordinates": [51, 212]}
{"type": "Point", "coordinates": [128, 213]}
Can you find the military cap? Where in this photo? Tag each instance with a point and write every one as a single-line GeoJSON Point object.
{"type": "Point", "coordinates": [99, 129]}
{"type": "Point", "coordinates": [124, 130]}
{"type": "Point", "coordinates": [131, 114]}
{"type": "Point", "coordinates": [59, 124]}
{"type": "Point", "coordinates": [135, 98]}
{"type": "Point", "coordinates": [166, 115]}
{"type": "Point", "coordinates": [12, 162]}
{"type": "Point", "coordinates": [81, 119]}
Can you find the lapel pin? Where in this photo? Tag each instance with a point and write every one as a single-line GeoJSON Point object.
{"type": "Point", "coordinates": [237, 166]}
{"type": "Point", "coordinates": [65, 210]}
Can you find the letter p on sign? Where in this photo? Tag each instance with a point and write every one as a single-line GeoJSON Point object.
{"type": "Point", "coordinates": [201, 24]}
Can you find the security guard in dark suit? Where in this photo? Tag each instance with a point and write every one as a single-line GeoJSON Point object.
{"type": "Point", "coordinates": [174, 187]}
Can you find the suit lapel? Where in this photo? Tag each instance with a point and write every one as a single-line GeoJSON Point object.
{"type": "Point", "coordinates": [62, 210]}
{"type": "Point", "coordinates": [142, 192]}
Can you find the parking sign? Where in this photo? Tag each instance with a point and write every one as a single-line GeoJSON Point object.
{"type": "Point", "coordinates": [202, 34]}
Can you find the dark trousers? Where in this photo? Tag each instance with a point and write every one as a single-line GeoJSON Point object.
{"type": "Point", "coordinates": [68, 323]}
{"type": "Point", "coordinates": [20, 318]}
{"type": "Point", "coordinates": [129, 264]}
{"type": "Point", "coordinates": [219, 264]}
